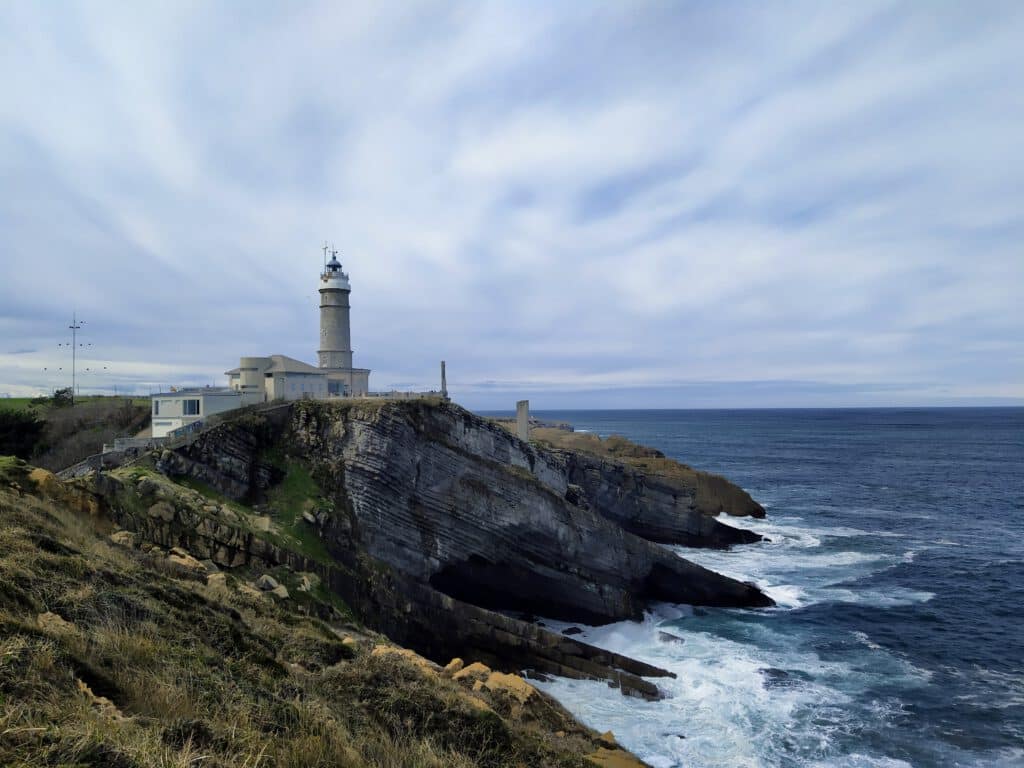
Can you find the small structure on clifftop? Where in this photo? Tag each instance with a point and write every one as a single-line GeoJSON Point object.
{"type": "Point", "coordinates": [523, 420]}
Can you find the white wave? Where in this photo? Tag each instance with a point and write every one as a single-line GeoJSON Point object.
{"type": "Point", "coordinates": [863, 761]}
{"type": "Point", "coordinates": [891, 598]}
{"type": "Point", "coordinates": [785, 595]}
{"type": "Point", "coordinates": [863, 637]}
{"type": "Point", "coordinates": [748, 694]}
{"type": "Point", "coordinates": [733, 703]}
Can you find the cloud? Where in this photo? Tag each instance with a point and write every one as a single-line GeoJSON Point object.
{"type": "Point", "coordinates": [564, 199]}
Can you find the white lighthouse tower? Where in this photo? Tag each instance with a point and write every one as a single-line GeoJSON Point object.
{"type": "Point", "coordinates": [335, 353]}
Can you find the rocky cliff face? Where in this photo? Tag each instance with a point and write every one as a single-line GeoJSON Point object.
{"type": "Point", "coordinates": [452, 501]}
{"type": "Point", "coordinates": [434, 525]}
{"type": "Point", "coordinates": [657, 507]}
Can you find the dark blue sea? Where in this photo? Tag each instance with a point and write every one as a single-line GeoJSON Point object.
{"type": "Point", "coordinates": [897, 562]}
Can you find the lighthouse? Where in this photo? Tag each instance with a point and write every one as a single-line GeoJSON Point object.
{"type": "Point", "coordinates": [335, 333]}
{"type": "Point", "coordinates": [335, 353]}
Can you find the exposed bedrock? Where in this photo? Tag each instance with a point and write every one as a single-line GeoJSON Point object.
{"type": "Point", "coordinates": [441, 522]}
{"type": "Point", "coordinates": [656, 507]}
{"type": "Point", "coordinates": [451, 500]}
{"type": "Point", "coordinates": [413, 614]}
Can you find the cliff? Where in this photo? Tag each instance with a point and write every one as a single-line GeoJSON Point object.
{"type": "Point", "coordinates": [693, 491]}
{"type": "Point", "coordinates": [435, 526]}
{"type": "Point", "coordinates": [449, 500]}
{"type": "Point", "coordinates": [118, 653]}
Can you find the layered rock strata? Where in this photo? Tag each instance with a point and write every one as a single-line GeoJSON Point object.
{"type": "Point", "coordinates": [450, 500]}
{"type": "Point", "coordinates": [657, 507]}
{"type": "Point", "coordinates": [441, 524]}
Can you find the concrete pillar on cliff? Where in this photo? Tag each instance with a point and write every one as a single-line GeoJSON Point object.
{"type": "Point", "coordinates": [444, 382]}
{"type": "Point", "coordinates": [523, 419]}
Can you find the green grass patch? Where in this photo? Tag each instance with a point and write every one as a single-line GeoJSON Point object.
{"type": "Point", "coordinates": [324, 595]}
{"type": "Point", "coordinates": [17, 403]}
{"type": "Point", "coordinates": [12, 469]}
{"type": "Point", "coordinates": [298, 493]}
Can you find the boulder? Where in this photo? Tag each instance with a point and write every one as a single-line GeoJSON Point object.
{"type": "Point", "coordinates": [511, 685]}
{"type": "Point", "coordinates": [267, 583]}
{"type": "Point", "coordinates": [386, 651]}
{"type": "Point", "coordinates": [147, 486]}
{"type": "Point", "coordinates": [453, 666]}
{"type": "Point", "coordinates": [307, 581]}
{"type": "Point", "coordinates": [124, 538]}
{"type": "Point", "coordinates": [187, 562]}
{"type": "Point", "coordinates": [607, 739]}
{"type": "Point", "coordinates": [475, 672]}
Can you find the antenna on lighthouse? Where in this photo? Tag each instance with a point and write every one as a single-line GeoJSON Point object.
{"type": "Point", "coordinates": [325, 255]}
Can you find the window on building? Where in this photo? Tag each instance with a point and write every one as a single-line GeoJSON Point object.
{"type": "Point", "coordinates": [190, 407]}
{"type": "Point", "coordinates": [156, 407]}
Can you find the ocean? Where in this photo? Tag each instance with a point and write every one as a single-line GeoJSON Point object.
{"type": "Point", "coordinates": [896, 557]}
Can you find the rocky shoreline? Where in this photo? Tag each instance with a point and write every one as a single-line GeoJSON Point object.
{"type": "Point", "coordinates": [437, 526]}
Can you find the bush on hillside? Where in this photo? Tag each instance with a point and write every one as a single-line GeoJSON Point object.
{"type": "Point", "coordinates": [62, 398]}
{"type": "Point", "coordinates": [71, 434]}
{"type": "Point", "coordinates": [19, 433]}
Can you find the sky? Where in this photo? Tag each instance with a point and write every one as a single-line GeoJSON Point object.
{"type": "Point", "coordinates": [667, 204]}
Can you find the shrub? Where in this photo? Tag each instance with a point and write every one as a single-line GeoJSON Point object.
{"type": "Point", "coordinates": [63, 398]}
{"type": "Point", "coordinates": [20, 432]}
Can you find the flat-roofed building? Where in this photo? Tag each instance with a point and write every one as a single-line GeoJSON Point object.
{"type": "Point", "coordinates": [179, 408]}
{"type": "Point", "coordinates": [277, 377]}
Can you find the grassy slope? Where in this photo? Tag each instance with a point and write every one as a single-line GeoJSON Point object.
{"type": "Point", "coordinates": [110, 656]}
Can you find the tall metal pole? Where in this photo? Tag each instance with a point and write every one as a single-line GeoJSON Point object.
{"type": "Point", "coordinates": [75, 328]}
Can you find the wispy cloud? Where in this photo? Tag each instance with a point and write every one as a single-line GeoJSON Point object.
{"type": "Point", "coordinates": [643, 197]}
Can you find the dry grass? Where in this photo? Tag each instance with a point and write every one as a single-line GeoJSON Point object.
{"type": "Point", "coordinates": [138, 668]}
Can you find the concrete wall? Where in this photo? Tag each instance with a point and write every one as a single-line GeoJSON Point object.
{"type": "Point", "coordinates": [354, 382]}
{"type": "Point", "coordinates": [295, 386]}
{"type": "Point", "coordinates": [251, 373]}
